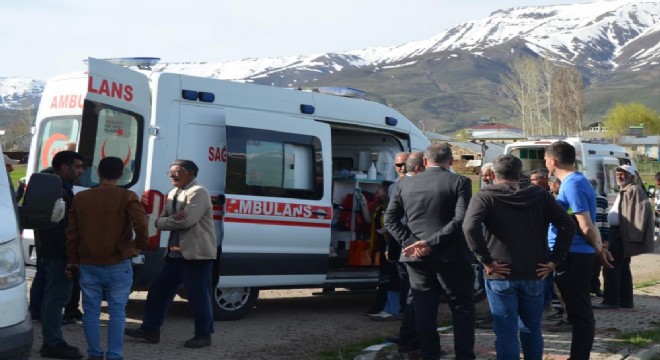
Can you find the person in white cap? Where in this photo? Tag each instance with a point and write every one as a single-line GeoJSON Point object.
{"type": "Point", "coordinates": [631, 233]}
{"type": "Point", "coordinates": [9, 162]}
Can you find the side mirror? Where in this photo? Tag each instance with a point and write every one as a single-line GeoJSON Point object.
{"type": "Point", "coordinates": [43, 198]}
{"type": "Point", "coordinates": [651, 191]}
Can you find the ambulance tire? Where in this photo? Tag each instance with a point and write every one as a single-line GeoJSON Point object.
{"type": "Point", "coordinates": [233, 303]}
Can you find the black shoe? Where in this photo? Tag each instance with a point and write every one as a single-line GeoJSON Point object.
{"type": "Point", "coordinates": [627, 306]}
{"type": "Point", "coordinates": [198, 342]}
{"type": "Point", "coordinates": [604, 306]}
{"type": "Point", "coordinates": [75, 314]}
{"type": "Point", "coordinates": [68, 321]}
{"type": "Point", "coordinates": [95, 358]}
{"type": "Point", "coordinates": [61, 351]}
{"type": "Point", "coordinates": [152, 337]}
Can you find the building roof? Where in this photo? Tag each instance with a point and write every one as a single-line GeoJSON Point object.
{"type": "Point", "coordinates": [494, 126]}
{"type": "Point", "coordinates": [436, 137]}
{"type": "Point", "coordinates": [497, 135]}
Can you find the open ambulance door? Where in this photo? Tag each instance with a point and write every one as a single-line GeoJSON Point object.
{"type": "Point", "coordinates": [116, 111]}
{"type": "Point", "coordinates": [278, 200]}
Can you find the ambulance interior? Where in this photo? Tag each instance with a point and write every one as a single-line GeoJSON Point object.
{"type": "Point", "coordinates": [355, 156]}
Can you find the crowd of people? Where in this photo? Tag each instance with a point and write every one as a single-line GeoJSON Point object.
{"type": "Point", "coordinates": [442, 228]}
{"type": "Point", "coordinates": [93, 245]}
{"type": "Point", "coordinates": [535, 242]}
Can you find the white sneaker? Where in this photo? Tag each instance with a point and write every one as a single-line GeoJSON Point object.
{"type": "Point", "coordinates": [382, 315]}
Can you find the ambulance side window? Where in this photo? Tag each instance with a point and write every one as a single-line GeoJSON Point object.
{"type": "Point", "coordinates": [273, 164]}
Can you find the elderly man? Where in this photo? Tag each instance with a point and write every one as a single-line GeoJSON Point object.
{"type": "Point", "coordinates": [631, 233]}
{"type": "Point", "coordinates": [487, 174]}
{"type": "Point", "coordinates": [191, 251]}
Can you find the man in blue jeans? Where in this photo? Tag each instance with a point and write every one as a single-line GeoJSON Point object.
{"type": "Point", "coordinates": [191, 252]}
{"type": "Point", "coordinates": [515, 254]}
{"type": "Point", "coordinates": [100, 246]}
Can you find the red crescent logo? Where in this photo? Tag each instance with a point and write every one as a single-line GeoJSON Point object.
{"type": "Point", "coordinates": [46, 156]}
{"type": "Point", "coordinates": [126, 160]}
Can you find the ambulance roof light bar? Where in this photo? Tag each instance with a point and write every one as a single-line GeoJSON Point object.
{"type": "Point", "coordinates": [143, 63]}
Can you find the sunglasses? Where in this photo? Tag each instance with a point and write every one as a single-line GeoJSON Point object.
{"type": "Point", "coordinates": [400, 164]}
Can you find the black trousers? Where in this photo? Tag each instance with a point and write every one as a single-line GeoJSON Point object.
{"type": "Point", "coordinates": [618, 282]}
{"type": "Point", "coordinates": [573, 277]}
{"type": "Point", "coordinates": [427, 281]}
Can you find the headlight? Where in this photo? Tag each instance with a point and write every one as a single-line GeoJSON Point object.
{"type": "Point", "coordinates": [12, 269]}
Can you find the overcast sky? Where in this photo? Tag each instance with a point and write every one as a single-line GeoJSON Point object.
{"type": "Point", "coordinates": [43, 38]}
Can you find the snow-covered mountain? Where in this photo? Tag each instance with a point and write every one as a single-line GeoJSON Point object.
{"type": "Point", "coordinates": [20, 93]}
{"type": "Point", "coordinates": [602, 38]}
{"type": "Point", "coordinates": [604, 35]}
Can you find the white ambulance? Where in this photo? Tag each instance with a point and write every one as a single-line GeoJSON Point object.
{"type": "Point", "coordinates": [596, 160]}
{"type": "Point", "coordinates": [276, 161]}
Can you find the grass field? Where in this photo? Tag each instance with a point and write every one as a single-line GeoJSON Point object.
{"type": "Point", "coordinates": [19, 172]}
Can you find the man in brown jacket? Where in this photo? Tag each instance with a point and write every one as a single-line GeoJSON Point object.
{"type": "Point", "coordinates": [631, 233]}
{"type": "Point", "coordinates": [100, 246]}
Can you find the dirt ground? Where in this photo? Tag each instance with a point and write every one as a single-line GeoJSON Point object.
{"type": "Point", "coordinates": [286, 324]}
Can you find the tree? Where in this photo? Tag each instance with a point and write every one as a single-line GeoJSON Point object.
{"type": "Point", "coordinates": [547, 98]}
{"type": "Point", "coordinates": [567, 102]}
{"type": "Point", "coordinates": [621, 117]}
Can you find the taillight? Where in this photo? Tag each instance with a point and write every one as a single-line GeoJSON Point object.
{"type": "Point", "coordinates": [153, 202]}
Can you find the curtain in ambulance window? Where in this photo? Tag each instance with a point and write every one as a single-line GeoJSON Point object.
{"type": "Point", "coordinates": [273, 163]}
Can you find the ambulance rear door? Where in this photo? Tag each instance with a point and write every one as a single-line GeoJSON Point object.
{"type": "Point", "coordinates": [278, 209]}
{"type": "Point", "coordinates": [116, 112]}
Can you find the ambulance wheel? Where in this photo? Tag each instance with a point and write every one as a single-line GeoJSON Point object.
{"type": "Point", "coordinates": [233, 303]}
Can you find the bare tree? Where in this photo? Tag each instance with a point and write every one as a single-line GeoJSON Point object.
{"type": "Point", "coordinates": [568, 101]}
{"type": "Point", "coordinates": [548, 99]}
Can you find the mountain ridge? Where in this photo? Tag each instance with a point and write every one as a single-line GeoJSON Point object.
{"type": "Point", "coordinates": [444, 79]}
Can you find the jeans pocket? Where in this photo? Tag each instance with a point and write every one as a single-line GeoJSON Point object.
{"type": "Point", "coordinates": [500, 286]}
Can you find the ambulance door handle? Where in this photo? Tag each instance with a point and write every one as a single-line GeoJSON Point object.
{"type": "Point", "coordinates": [320, 212]}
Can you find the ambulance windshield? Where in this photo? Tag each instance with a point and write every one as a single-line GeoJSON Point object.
{"type": "Point", "coordinates": [56, 134]}
{"type": "Point", "coordinates": [105, 131]}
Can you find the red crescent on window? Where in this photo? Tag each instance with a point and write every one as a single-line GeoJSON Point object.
{"type": "Point", "coordinates": [128, 156]}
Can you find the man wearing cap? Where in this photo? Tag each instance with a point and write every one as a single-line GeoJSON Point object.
{"type": "Point", "coordinates": [191, 252]}
{"type": "Point", "coordinates": [631, 233]}
{"type": "Point", "coordinates": [9, 162]}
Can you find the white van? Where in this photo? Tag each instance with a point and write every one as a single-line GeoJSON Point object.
{"type": "Point", "coordinates": [596, 160]}
{"type": "Point", "coordinates": [16, 329]}
{"type": "Point", "coordinates": [277, 162]}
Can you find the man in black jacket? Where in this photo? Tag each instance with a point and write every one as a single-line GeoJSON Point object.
{"type": "Point", "coordinates": [434, 249]}
{"type": "Point", "coordinates": [68, 165]}
{"type": "Point", "coordinates": [515, 254]}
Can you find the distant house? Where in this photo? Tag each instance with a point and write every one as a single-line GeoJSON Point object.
{"type": "Point", "coordinates": [490, 130]}
{"type": "Point", "coordinates": [596, 130]}
{"type": "Point", "coordinates": [467, 154]}
{"type": "Point", "coordinates": [641, 147]}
